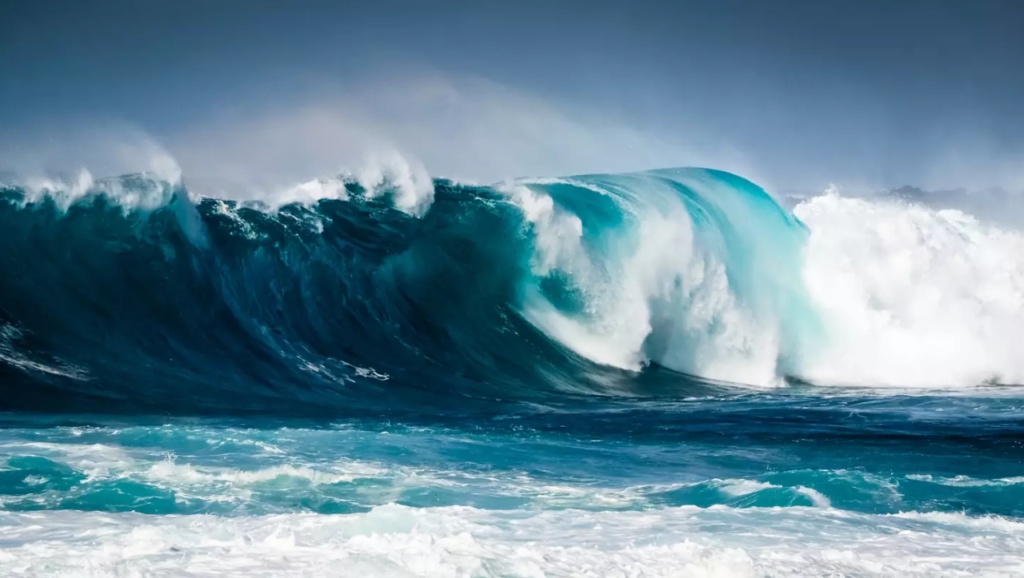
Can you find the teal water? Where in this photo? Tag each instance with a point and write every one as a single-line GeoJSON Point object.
{"type": "Point", "coordinates": [851, 484]}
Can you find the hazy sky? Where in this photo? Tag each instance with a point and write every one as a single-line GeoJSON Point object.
{"type": "Point", "coordinates": [796, 94]}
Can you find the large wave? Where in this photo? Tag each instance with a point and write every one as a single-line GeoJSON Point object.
{"type": "Point", "coordinates": [389, 289]}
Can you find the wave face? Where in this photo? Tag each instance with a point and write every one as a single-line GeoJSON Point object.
{"type": "Point", "coordinates": [130, 291]}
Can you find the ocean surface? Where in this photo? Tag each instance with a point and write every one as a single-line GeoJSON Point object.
{"type": "Point", "coordinates": [664, 373]}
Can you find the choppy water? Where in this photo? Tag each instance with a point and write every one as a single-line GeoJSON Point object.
{"type": "Point", "coordinates": [749, 485]}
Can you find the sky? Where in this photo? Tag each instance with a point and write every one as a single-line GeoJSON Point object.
{"type": "Point", "coordinates": [251, 95]}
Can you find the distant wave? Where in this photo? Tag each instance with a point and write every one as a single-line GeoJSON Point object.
{"type": "Point", "coordinates": [389, 289]}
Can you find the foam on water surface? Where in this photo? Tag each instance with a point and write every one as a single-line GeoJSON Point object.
{"type": "Point", "coordinates": [461, 541]}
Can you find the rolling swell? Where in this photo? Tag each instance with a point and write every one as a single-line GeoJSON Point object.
{"type": "Point", "coordinates": [211, 305]}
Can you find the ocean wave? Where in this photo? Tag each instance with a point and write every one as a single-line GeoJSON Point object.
{"type": "Point", "coordinates": [385, 289]}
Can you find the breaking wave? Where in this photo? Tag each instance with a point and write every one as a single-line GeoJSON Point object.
{"type": "Point", "coordinates": [391, 288]}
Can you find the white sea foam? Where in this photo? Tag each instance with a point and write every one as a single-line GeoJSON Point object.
{"type": "Point", "coordinates": [406, 181]}
{"type": "Point", "coordinates": [743, 487]}
{"type": "Point", "coordinates": [912, 296]}
{"type": "Point", "coordinates": [64, 191]}
{"type": "Point", "coordinates": [966, 481]}
{"type": "Point", "coordinates": [96, 461]}
{"type": "Point", "coordinates": [817, 498]}
{"type": "Point", "coordinates": [174, 474]}
{"type": "Point", "coordinates": [160, 177]}
{"type": "Point", "coordinates": [310, 192]}
{"type": "Point", "coordinates": [103, 461]}
{"type": "Point", "coordinates": [461, 541]}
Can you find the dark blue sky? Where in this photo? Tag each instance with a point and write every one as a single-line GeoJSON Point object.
{"type": "Point", "coordinates": [800, 93]}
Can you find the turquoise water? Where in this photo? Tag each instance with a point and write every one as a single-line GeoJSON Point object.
{"type": "Point", "coordinates": [752, 484]}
